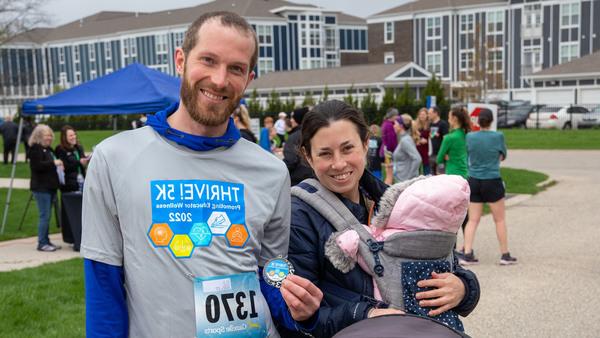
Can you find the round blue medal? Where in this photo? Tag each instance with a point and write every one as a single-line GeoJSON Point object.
{"type": "Point", "coordinates": [276, 270]}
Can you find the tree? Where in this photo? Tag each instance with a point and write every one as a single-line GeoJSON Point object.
{"type": "Point", "coordinates": [289, 104]}
{"type": "Point", "coordinates": [435, 88]}
{"type": "Point", "coordinates": [368, 106]}
{"type": "Point", "coordinates": [405, 101]}
{"type": "Point", "coordinates": [274, 103]}
{"type": "Point", "coordinates": [17, 16]}
{"type": "Point", "coordinates": [325, 95]}
{"type": "Point", "coordinates": [349, 99]}
{"type": "Point", "coordinates": [389, 100]}
{"type": "Point", "coordinates": [254, 106]}
{"type": "Point", "coordinates": [308, 99]}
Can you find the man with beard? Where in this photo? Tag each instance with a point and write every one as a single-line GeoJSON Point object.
{"type": "Point", "coordinates": [180, 216]}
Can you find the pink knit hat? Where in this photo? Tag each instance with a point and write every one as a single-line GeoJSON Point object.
{"type": "Point", "coordinates": [434, 203]}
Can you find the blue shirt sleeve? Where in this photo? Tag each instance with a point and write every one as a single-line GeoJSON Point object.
{"type": "Point", "coordinates": [279, 309]}
{"type": "Point", "coordinates": [106, 310]}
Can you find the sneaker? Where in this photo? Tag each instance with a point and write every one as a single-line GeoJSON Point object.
{"type": "Point", "coordinates": [468, 259]}
{"type": "Point", "coordinates": [46, 248]}
{"type": "Point", "coordinates": [507, 259]}
{"type": "Point", "coordinates": [57, 247]}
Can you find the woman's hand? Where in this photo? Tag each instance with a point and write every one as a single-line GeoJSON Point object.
{"type": "Point", "coordinates": [58, 163]}
{"type": "Point", "coordinates": [302, 297]}
{"type": "Point", "coordinates": [446, 158]}
{"type": "Point", "coordinates": [84, 161]}
{"type": "Point", "coordinates": [448, 292]}
{"type": "Point", "coordinates": [382, 312]}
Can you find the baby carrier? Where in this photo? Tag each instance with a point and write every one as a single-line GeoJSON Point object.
{"type": "Point", "coordinates": [397, 263]}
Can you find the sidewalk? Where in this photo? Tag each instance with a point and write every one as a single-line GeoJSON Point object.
{"type": "Point", "coordinates": [21, 253]}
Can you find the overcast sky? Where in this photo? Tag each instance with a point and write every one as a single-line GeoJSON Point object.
{"type": "Point", "coordinates": [63, 11]}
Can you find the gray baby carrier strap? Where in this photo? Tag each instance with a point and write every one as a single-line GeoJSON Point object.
{"type": "Point", "coordinates": [382, 258]}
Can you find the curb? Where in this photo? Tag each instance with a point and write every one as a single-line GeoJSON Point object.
{"type": "Point", "coordinates": [547, 183]}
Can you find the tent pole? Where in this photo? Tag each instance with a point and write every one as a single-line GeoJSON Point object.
{"type": "Point", "coordinates": [12, 175]}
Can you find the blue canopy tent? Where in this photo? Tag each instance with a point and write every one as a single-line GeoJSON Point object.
{"type": "Point", "coordinates": [130, 90]}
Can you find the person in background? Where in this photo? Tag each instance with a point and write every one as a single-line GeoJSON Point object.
{"type": "Point", "coordinates": [241, 118]}
{"type": "Point", "coordinates": [44, 180]}
{"type": "Point", "coordinates": [453, 150]}
{"type": "Point", "coordinates": [486, 148]}
{"type": "Point", "coordinates": [334, 142]}
{"type": "Point", "coordinates": [421, 125]}
{"type": "Point", "coordinates": [281, 127]}
{"type": "Point", "coordinates": [373, 158]}
{"type": "Point", "coordinates": [25, 134]}
{"type": "Point", "coordinates": [405, 159]}
{"type": "Point", "coordinates": [265, 134]}
{"type": "Point", "coordinates": [389, 141]}
{"type": "Point", "coordinates": [9, 131]}
{"type": "Point", "coordinates": [292, 158]}
{"type": "Point", "coordinates": [71, 153]}
{"type": "Point", "coordinates": [438, 128]}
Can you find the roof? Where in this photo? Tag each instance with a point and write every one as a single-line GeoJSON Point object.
{"type": "Point", "coordinates": [358, 74]}
{"type": "Point", "coordinates": [110, 23]}
{"type": "Point", "coordinates": [426, 5]}
{"type": "Point", "coordinates": [587, 65]}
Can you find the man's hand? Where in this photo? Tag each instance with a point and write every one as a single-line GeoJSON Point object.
{"type": "Point", "coordinates": [448, 292]}
{"type": "Point", "coordinates": [302, 297]}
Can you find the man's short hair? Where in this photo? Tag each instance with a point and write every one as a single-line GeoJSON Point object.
{"type": "Point", "coordinates": [485, 118]}
{"type": "Point", "coordinates": [436, 109]}
{"type": "Point", "coordinates": [228, 19]}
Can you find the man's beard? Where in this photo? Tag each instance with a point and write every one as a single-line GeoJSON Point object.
{"type": "Point", "coordinates": [213, 115]}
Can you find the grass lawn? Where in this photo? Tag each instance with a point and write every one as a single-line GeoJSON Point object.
{"type": "Point", "coordinates": [520, 181]}
{"type": "Point", "coordinates": [46, 301]}
{"type": "Point", "coordinates": [87, 138]}
{"type": "Point", "coordinates": [552, 139]}
{"type": "Point", "coordinates": [18, 201]}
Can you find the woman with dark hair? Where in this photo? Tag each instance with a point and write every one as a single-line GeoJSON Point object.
{"type": "Point", "coordinates": [71, 153]}
{"type": "Point", "coordinates": [44, 180]}
{"type": "Point", "coordinates": [486, 148]}
{"type": "Point", "coordinates": [453, 151]}
{"type": "Point", "coordinates": [334, 142]}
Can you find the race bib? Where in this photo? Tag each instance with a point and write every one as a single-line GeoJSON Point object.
{"type": "Point", "coordinates": [188, 215]}
{"type": "Point", "coordinates": [229, 306]}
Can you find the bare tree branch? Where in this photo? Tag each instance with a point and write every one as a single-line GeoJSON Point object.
{"type": "Point", "coordinates": [17, 16]}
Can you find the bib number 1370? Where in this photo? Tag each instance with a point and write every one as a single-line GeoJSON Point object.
{"type": "Point", "coordinates": [234, 306]}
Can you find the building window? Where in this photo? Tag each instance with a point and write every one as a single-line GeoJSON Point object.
{"type": "Point", "coordinates": [107, 50]}
{"type": "Point", "coordinates": [569, 51]}
{"type": "Point", "coordinates": [311, 42]}
{"type": "Point", "coordinates": [330, 39]}
{"type": "Point", "coordinates": [494, 61]}
{"type": "Point", "coordinates": [466, 64]}
{"type": "Point", "coordinates": [388, 58]}
{"type": "Point", "coordinates": [93, 74]}
{"type": "Point", "coordinates": [467, 23]}
{"type": "Point", "coordinates": [389, 32]}
{"type": "Point", "coordinates": [77, 78]}
{"type": "Point", "coordinates": [533, 15]}
{"type": "Point", "coordinates": [434, 27]}
{"type": "Point", "coordinates": [265, 34]}
{"type": "Point", "coordinates": [178, 39]}
{"type": "Point", "coordinates": [495, 22]}
{"type": "Point", "coordinates": [76, 53]}
{"type": "Point", "coordinates": [61, 55]}
{"type": "Point", "coordinates": [532, 59]}
{"type": "Point", "coordinates": [433, 62]}
{"type": "Point", "coordinates": [265, 66]}
{"type": "Point", "coordinates": [160, 42]}
{"type": "Point", "coordinates": [92, 50]}
{"type": "Point", "coordinates": [569, 15]}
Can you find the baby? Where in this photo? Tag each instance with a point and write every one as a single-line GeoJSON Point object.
{"type": "Point", "coordinates": [412, 235]}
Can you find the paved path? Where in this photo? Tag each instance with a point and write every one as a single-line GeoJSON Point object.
{"type": "Point", "coordinates": [22, 253]}
{"type": "Point", "coordinates": [554, 291]}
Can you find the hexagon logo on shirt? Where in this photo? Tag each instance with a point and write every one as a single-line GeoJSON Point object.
{"type": "Point", "coordinates": [160, 234]}
{"type": "Point", "coordinates": [200, 234]}
{"type": "Point", "coordinates": [218, 222]}
{"type": "Point", "coordinates": [237, 235]}
{"type": "Point", "coordinates": [181, 246]}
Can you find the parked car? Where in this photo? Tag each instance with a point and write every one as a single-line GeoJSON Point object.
{"type": "Point", "coordinates": [515, 117]}
{"type": "Point", "coordinates": [556, 117]}
{"type": "Point", "coordinates": [591, 119]}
